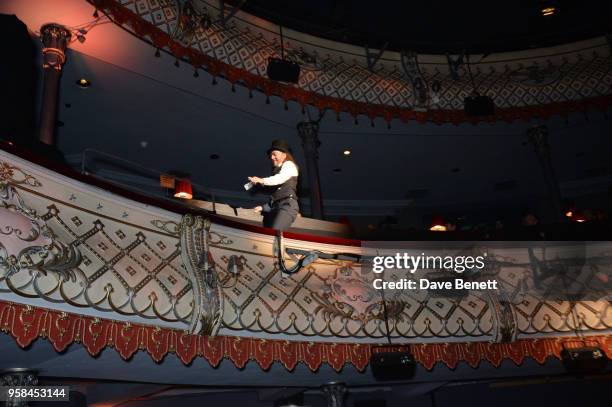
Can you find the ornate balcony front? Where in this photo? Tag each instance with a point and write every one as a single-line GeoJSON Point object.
{"type": "Point", "coordinates": [71, 247]}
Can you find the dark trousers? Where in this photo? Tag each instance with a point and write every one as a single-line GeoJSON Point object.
{"type": "Point", "coordinates": [281, 214]}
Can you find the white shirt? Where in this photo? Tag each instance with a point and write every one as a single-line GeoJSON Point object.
{"type": "Point", "coordinates": [288, 170]}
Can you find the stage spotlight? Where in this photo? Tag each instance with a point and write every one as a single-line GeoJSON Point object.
{"type": "Point", "coordinates": [584, 360]}
{"type": "Point", "coordinates": [476, 105]}
{"type": "Point", "coordinates": [283, 70]}
{"type": "Point", "coordinates": [346, 152]}
{"type": "Point", "coordinates": [389, 364]}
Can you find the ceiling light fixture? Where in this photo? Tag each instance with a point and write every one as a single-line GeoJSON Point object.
{"type": "Point", "coordinates": [183, 189]}
{"type": "Point", "coordinates": [83, 83]}
{"type": "Point", "coordinates": [549, 11]}
{"type": "Point", "coordinates": [346, 152]}
{"type": "Point", "coordinates": [437, 224]}
{"type": "Point", "coordinates": [580, 218]}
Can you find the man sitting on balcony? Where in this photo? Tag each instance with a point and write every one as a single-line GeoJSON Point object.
{"type": "Point", "coordinates": [282, 209]}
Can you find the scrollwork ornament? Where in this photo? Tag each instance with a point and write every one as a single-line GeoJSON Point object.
{"type": "Point", "coordinates": [219, 239]}
{"type": "Point", "coordinates": [16, 176]}
{"type": "Point", "coordinates": [38, 248]}
{"type": "Point", "coordinates": [167, 226]}
{"type": "Point", "coordinates": [55, 39]}
{"type": "Point", "coordinates": [347, 294]}
{"type": "Point", "coordinates": [192, 16]}
{"type": "Point", "coordinates": [504, 317]}
{"type": "Point", "coordinates": [207, 314]}
{"type": "Point", "coordinates": [536, 76]}
{"type": "Point", "coordinates": [307, 61]}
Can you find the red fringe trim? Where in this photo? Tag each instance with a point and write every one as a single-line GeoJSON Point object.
{"type": "Point", "coordinates": [26, 324]}
{"type": "Point", "coordinates": [160, 39]}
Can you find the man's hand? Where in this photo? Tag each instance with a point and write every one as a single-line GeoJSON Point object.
{"type": "Point", "coordinates": [256, 180]}
{"type": "Point", "coordinates": [257, 209]}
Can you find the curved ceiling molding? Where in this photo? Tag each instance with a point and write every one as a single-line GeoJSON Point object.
{"type": "Point", "coordinates": [529, 84]}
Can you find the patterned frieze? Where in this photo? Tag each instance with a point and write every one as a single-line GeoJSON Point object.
{"type": "Point", "coordinates": [336, 298]}
{"type": "Point", "coordinates": [338, 76]}
{"type": "Point", "coordinates": [104, 253]}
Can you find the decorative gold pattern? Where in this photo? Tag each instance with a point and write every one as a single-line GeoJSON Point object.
{"type": "Point", "coordinates": [55, 39]}
{"type": "Point", "coordinates": [112, 267]}
{"type": "Point", "coordinates": [168, 226]}
{"type": "Point", "coordinates": [219, 240]}
{"type": "Point", "coordinates": [331, 300]}
{"type": "Point", "coordinates": [40, 249]}
{"type": "Point", "coordinates": [528, 81]}
{"type": "Point", "coordinates": [208, 304]}
{"type": "Point", "coordinates": [16, 175]}
{"type": "Point", "coordinates": [95, 259]}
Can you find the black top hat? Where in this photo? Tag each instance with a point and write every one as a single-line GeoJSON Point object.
{"type": "Point", "coordinates": [280, 145]}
